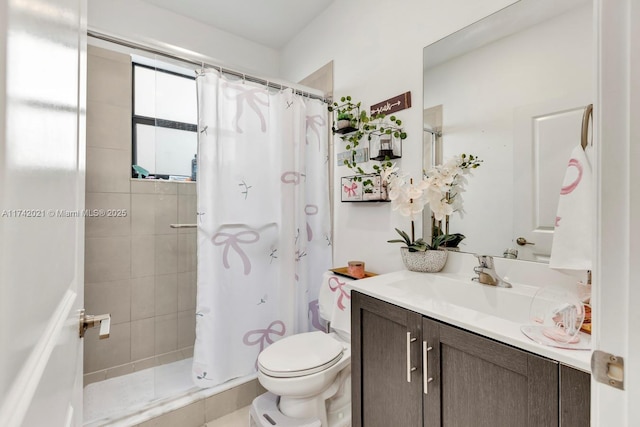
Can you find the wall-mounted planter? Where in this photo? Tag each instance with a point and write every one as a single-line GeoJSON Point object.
{"type": "Point", "coordinates": [345, 126]}
{"type": "Point", "coordinates": [363, 188]}
{"type": "Point", "coordinates": [346, 116]}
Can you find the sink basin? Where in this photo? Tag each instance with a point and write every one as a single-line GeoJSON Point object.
{"type": "Point", "coordinates": [463, 295]}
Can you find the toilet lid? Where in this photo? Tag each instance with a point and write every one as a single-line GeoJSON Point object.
{"type": "Point", "coordinates": [301, 354]}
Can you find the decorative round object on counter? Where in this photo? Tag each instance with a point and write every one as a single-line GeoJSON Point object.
{"type": "Point", "coordinates": [556, 316]}
{"type": "Point", "coordinates": [356, 269]}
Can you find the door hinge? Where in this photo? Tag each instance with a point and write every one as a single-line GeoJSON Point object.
{"type": "Point", "coordinates": [608, 369]}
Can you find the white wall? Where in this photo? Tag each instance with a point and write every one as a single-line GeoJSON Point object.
{"type": "Point", "coordinates": [141, 22]}
{"type": "Point", "coordinates": [376, 47]}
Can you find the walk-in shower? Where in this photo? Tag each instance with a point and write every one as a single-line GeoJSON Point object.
{"type": "Point", "coordinates": [138, 267]}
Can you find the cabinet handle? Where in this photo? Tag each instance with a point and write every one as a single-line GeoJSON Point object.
{"type": "Point", "coordinates": [409, 368]}
{"type": "Point", "coordinates": [425, 367]}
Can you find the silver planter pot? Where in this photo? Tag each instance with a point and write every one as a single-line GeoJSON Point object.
{"type": "Point", "coordinates": [430, 261]}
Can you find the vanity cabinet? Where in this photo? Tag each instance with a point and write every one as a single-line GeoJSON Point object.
{"type": "Point", "coordinates": [410, 370]}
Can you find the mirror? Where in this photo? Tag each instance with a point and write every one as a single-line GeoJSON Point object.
{"type": "Point", "coordinates": [511, 89]}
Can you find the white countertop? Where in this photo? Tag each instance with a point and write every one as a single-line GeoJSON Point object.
{"type": "Point", "coordinates": [496, 313]}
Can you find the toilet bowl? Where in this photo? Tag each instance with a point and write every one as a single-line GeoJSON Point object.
{"type": "Point", "coordinates": [310, 372]}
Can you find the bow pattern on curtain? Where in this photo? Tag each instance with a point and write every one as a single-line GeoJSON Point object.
{"type": "Point", "coordinates": [264, 236]}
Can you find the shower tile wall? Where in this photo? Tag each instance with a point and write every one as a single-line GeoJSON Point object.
{"type": "Point", "coordinates": [136, 267]}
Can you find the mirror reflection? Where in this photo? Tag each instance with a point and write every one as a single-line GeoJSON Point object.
{"type": "Point", "coordinates": [512, 90]}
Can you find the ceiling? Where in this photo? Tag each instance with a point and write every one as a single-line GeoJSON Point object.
{"type": "Point", "coordinates": [270, 23]}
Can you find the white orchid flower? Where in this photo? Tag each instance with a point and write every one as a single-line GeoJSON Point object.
{"type": "Point", "coordinates": [441, 210]}
{"type": "Point", "coordinates": [388, 173]}
{"type": "Point", "coordinates": [441, 187]}
{"type": "Point", "coordinates": [414, 193]}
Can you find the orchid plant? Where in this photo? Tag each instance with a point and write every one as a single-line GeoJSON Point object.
{"type": "Point", "coordinates": [441, 188]}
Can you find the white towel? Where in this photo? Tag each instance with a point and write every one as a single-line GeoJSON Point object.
{"type": "Point", "coordinates": [335, 303]}
{"type": "Point", "coordinates": [574, 228]}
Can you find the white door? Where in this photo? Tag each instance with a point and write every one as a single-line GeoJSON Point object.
{"type": "Point", "coordinates": [544, 136]}
{"type": "Point", "coordinates": [617, 280]}
{"type": "Point", "coordinates": [42, 152]}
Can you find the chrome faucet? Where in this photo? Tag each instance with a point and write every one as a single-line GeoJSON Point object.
{"type": "Point", "coordinates": [487, 274]}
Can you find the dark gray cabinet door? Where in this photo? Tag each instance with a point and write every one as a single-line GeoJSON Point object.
{"type": "Point", "coordinates": [386, 364]}
{"type": "Point", "coordinates": [480, 382]}
{"type": "Point", "coordinates": [575, 397]}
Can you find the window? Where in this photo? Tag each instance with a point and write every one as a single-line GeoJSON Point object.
{"type": "Point", "coordinates": [165, 111]}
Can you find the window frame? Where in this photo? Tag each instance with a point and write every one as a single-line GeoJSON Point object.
{"type": "Point", "coordinates": [152, 121]}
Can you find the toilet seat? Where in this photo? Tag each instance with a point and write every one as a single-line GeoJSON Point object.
{"type": "Point", "coordinates": [300, 373]}
{"type": "Point", "coordinates": [299, 355]}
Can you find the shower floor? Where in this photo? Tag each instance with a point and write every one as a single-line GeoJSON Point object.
{"type": "Point", "coordinates": [108, 400]}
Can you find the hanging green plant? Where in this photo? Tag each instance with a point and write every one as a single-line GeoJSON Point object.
{"type": "Point", "coordinates": [354, 124]}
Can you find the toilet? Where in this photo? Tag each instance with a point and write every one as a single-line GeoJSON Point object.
{"type": "Point", "coordinates": [308, 375]}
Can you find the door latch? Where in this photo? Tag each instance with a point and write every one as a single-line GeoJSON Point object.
{"type": "Point", "coordinates": [91, 321]}
{"type": "Point", "coordinates": [522, 241]}
{"type": "Point", "coordinates": [608, 369]}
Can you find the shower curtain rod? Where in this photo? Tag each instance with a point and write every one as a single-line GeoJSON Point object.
{"type": "Point", "coordinates": [243, 76]}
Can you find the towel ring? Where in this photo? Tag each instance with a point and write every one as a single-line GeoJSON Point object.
{"type": "Point", "coordinates": [586, 118]}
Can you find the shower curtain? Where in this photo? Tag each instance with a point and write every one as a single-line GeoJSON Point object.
{"type": "Point", "coordinates": [264, 236]}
